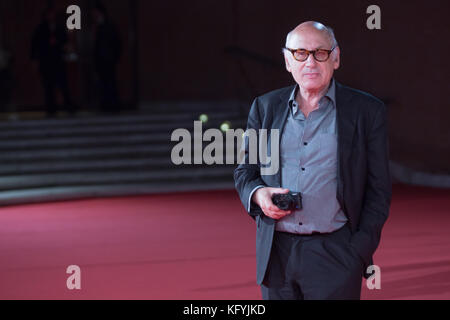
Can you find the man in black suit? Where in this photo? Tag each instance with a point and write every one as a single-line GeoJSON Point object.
{"type": "Point", "coordinates": [334, 151]}
{"type": "Point", "coordinates": [107, 52]}
{"type": "Point", "coordinates": [48, 49]}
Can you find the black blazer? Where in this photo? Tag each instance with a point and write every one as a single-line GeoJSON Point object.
{"type": "Point", "coordinates": [364, 183]}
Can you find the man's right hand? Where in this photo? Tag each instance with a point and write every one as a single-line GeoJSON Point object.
{"type": "Point", "coordinates": [263, 198]}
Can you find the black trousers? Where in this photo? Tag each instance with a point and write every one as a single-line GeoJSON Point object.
{"type": "Point", "coordinates": [313, 267]}
{"type": "Point", "coordinates": [55, 77]}
{"type": "Point", "coordinates": [109, 94]}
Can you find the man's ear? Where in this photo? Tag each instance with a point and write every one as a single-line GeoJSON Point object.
{"type": "Point", "coordinates": [337, 58]}
{"type": "Point", "coordinates": [288, 66]}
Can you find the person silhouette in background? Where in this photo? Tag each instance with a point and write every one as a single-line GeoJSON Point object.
{"type": "Point", "coordinates": [48, 52]}
{"type": "Point", "coordinates": [107, 51]}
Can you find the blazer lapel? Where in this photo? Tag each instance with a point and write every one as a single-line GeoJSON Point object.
{"type": "Point", "coordinates": [280, 115]}
{"type": "Point", "coordinates": [346, 116]}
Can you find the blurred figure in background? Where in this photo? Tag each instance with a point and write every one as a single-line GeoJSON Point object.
{"type": "Point", "coordinates": [107, 51]}
{"type": "Point", "coordinates": [48, 52]}
{"type": "Point", "coordinates": [5, 75]}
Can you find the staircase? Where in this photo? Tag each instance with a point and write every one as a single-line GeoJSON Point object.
{"type": "Point", "coordinates": [103, 156]}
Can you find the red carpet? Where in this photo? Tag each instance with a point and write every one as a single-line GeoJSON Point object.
{"type": "Point", "coordinates": [196, 246]}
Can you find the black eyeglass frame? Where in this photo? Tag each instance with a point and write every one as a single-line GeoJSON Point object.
{"type": "Point", "coordinates": [313, 52]}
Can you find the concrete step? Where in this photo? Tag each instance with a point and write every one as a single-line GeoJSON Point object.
{"type": "Point", "coordinates": [94, 153]}
{"type": "Point", "coordinates": [185, 116]}
{"type": "Point", "coordinates": [105, 130]}
{"type": "Point", "coordinates": [38, 195]}
{"type": "Point", "coordinates": [77, 166]}
{"type": "Point", "coordinates": [105, 152]}
{"type": "Point", "coordinates": [112, 177]}
{"type": "Point", "coordinates": [82, 142]}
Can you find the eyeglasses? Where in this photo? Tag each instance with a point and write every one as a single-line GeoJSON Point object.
{"type": "Point", "coordinates": [302, 55]}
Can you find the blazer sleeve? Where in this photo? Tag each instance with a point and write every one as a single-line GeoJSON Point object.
{"type": "Point", "coordinates": [378, 189]}
{"type": "Point", "coordinates": [247, 176]}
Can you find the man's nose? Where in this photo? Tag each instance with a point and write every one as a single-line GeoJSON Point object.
{"type": "Point", "coordinates": [310, 61]}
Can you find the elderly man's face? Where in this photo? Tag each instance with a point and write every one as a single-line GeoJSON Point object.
{"type": "Point", "coordinates": [311, 74]}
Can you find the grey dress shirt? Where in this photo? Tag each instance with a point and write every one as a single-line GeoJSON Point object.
{"type": "Point", "coordinates": [308, 153]}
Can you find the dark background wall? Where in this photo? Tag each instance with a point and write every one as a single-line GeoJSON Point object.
{"type": "Point", "coordinates": [19, 18]}
{"type": "Point", "coordinates": [230, 49]}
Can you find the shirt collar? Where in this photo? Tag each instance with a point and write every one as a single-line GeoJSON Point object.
{"type": "Point", "coordinates": [331, 94]}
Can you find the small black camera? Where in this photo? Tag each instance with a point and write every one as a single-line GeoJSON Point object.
{"type": "Point", "coordinates": [288, 201]}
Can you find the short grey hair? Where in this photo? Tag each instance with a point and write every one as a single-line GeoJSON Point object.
{"type": "Point", "coordinates": [332, 36]}
{"type": "Point", "coordinates": [328, 29]}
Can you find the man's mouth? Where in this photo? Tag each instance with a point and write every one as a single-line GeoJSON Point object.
{"type": "Point", "coordinates": [311, 75]}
